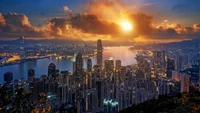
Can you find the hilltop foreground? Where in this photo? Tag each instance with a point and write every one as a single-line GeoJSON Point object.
{"type": "Point", "coordinates": [181, 103]}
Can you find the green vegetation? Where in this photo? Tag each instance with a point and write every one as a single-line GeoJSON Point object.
{"type": "Point", "coordinates": [181, 103]}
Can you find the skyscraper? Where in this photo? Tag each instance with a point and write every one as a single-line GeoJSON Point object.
{"type": "Point", "coordinates": [109, 64]}
{"type": "Point", "coordinates": [170, 67]}
{"type": "Point", "coordinates": [99, 93]}
{"type": "Point", "coordinates": [157, 56]}
{"type": "Point", "coordinates": [78, 75]}
{"type": "Point", "coordinates": [99, 52]}
{"type": "Point", "coordinates": [52, 71]}
{"type": "Point", "coordinates": [118, 64]}
{"type": "Point", "coordinates": [79, 64]}
{"type": "Point", "coordinates": [89, 65]}
{"type": "Point", "coordinates": [185, 82]}
{"type": "Point", "coordinates": [8, 77]}
{"type": "Point", "coordinates": [31, 74]}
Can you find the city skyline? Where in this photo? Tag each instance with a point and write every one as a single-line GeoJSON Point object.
{"type": "Point", "coordinates": [114, 20]}
{"type": "Point", "coordinates": [108, 87]}
{"type": "Point", "coordinates": [99, 56]}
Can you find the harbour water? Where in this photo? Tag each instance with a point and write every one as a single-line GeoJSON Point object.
{"type": "Point", "coordinates": [40, 66]}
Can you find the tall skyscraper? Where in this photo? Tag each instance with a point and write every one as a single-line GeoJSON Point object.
{"type": "Point", "coordinates": [52, 71]}
{"type": "Point", "coordinates": [78, 75]}
{"type": "Point", "coordinates": [99, 52]}
{"type": "Point", "coordinates": [79, 64]}
{"type": "Point", "coordinates": [99, 93]}
{"type": "Point", "coordinates": [31, 74]}
{"type": "Point", "coordinates": [118, 64]}
{"type": "Point", "coordinates": [89, 65]}
{"type": "Point", "coordinates": [8, 77]}
{"type": "Point", "coordinates": [170, 67]}
{"type": "Point", "coordinates": [157, 56]}
{"type": "Point", "coordinates": [109, 64]}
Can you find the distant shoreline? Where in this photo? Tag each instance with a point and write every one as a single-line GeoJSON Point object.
{"type": "Point", "coordinates": [21, 61]}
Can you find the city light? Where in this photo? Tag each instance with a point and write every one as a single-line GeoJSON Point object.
{"type": "Point", "coordinates": [100, 56]}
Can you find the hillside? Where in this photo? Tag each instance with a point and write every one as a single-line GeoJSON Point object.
{"type": "Point", "coordinates": [182, 103]}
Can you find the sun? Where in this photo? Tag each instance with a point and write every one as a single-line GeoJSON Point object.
{"type": "Point", "coordinates": [127, 26]}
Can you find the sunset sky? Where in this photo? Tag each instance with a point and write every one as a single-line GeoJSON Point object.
{"type": "Point", "coordinates": [121, 20]}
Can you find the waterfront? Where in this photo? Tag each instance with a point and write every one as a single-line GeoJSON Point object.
{"type": "Point", "coordinates": [41, 65]}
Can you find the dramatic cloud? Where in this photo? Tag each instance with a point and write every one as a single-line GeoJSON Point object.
{"type": "Point", "coordinates": [90, 23]}
{"type": "Point", "coordinates": [143, 24]}
{"type": "Point", "coordinates": [2, 20]}
{"type": "Point", "coordinates": [175, 31]}
{"type": "Point", "coordinates": [111, 10]}
{"type": "Point", "coordinates": [197, 26]}
{"type": "Point", "coordinates": [56, 27]}
{"type": "Point", "coordinates": [102, 20]}
{"type": "Point", "coordinates": [15, 25]}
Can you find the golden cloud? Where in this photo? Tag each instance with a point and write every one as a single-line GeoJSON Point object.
{"type": "Point", "coordinates": [102, 20]}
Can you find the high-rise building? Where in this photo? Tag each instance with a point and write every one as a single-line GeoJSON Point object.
{"type": "Point", "coordinates": [74, 62]}
{"type": "Point", "coordinates": [79, 65]}
{"type": "Point", "coordinates": [181, 62]}
{"type": "Point", "coordinates": [89, 65]}
{"type": "Point", "coordinates": [118, 64]}
{"type": "Point", "coordinates": [99, 93]}
{"type": "Point", "coordinates": [31, 74]}
{"type": "Point", "coordinates": [52, 71]}
{"type": "Point", "coordinates": [78, 74]}
{"type": "Point", "coordinates": [99, 52]}
{"type": "Point", "coordinates": [8, 77]}
{"type": "Point", "coordinates": [94, 102]}
{"type": "Point", "coordinates": [109, 64]}
{"type": "Point", "coordinates": [157, 56]}
{"type": "Point", "coordinates": [185, 82]}
{"type": "Point", "coordinates": [175, 75]}
{"type": "Point", "coordinates": [163, 55]}
{"type": "Point", "coordinates": [140, 95]}
{"type": "Point", "coordinates": [170, 67]}
{"type": "Point", "coordinates": [163, 87]}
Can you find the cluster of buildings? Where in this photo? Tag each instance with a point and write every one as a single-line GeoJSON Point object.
{"type": "Point", "coordinates": [110, 88]}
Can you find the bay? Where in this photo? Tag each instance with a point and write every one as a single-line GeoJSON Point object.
{"type": "Point", "coordinates": [40, 66]}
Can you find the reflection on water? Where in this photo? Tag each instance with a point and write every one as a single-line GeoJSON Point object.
{"type": "Point", "coordinates": [41, 65]}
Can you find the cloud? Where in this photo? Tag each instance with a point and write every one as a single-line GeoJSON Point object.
{"type": "Point", "coordinates": [14, 25]}
{"type": "Point", "coordinates": [56, 27]}
{"type": "Point", "coordinates": [66, 9]}
{"type": "Point", "coordinates": [90, 23]}
{"type": "Point", "coordinates": [197, 26]}
{"type": "Point", "coordinates": [62, 28]}
{"type": "Point", "coordinates": [102, 20]}
{"type": "Point", "coordinates": [2, 20]}
{"type": "Point", "coordinates": [175, 31]}
{"type": "Point", "coordinates": [143, 24]}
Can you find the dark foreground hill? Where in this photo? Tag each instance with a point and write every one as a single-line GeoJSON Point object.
{"type": "Point", "coordinates": [181, 103]}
